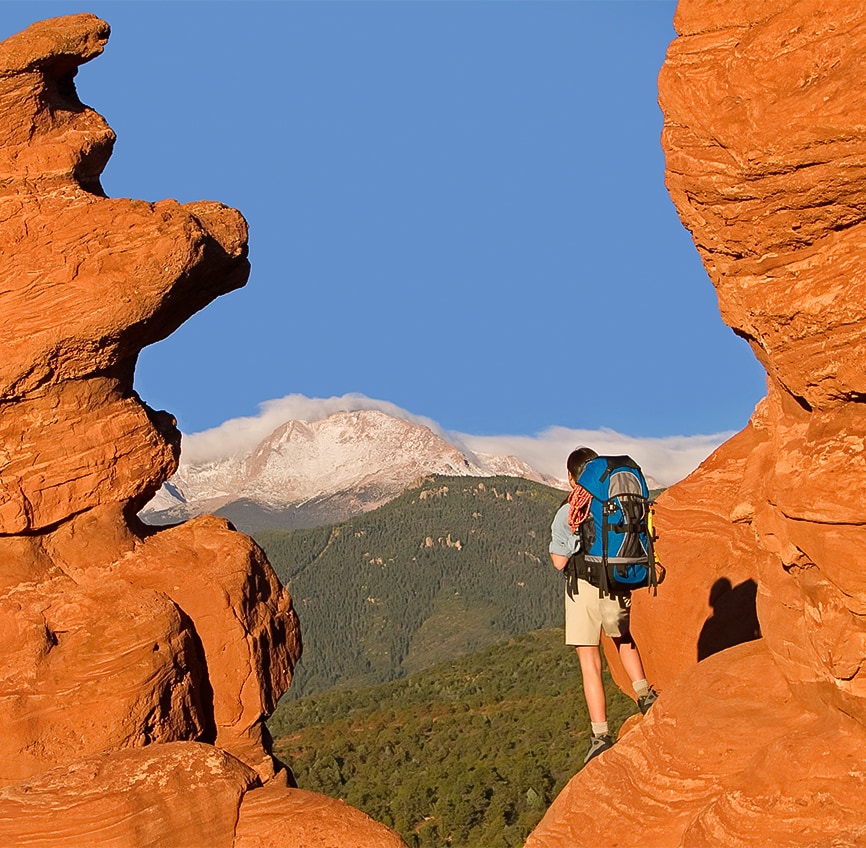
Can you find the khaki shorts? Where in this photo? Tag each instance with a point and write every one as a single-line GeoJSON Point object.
{"type": "Point", "coordinates": [586, 613]}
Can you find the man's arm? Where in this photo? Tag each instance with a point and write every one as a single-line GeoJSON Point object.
{"type": "Point", "coordinates": [558, 561]}
{"type": "Point", "coordinates": [563, 543]}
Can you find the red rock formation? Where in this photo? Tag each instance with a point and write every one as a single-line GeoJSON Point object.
{"type": "Point", "coordinates": [761, 744]}
{"type": "Point", "coordinates": [137, 664]}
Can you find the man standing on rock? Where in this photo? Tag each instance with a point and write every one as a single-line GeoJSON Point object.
{"type": "Point", "coordinates": [589, 609]}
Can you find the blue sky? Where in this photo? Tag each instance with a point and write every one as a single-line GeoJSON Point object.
{"type": "Point", "coordinates": [456, 207]}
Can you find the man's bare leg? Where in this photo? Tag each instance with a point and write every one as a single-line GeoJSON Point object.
{"type": "Point", "coordinates": [593, 687]}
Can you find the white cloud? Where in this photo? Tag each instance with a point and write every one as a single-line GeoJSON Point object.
{"type": "Point", "coordinates": [239, 436]}
{"type": "Point", "coordinates": [665, 459]}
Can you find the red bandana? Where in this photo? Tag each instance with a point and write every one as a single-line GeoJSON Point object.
{"type": "Point", "coordinates": [578, 507]}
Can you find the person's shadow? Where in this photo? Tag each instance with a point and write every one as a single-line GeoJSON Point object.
{"type": "Point", "coordinates": [734, 619]}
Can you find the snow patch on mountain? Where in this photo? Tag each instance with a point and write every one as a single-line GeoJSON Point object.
{"type": "Point", "coordinates": [366, 455]}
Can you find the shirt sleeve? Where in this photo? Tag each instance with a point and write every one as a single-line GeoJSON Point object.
{"type": "Point", "coordinates": [562, 541]}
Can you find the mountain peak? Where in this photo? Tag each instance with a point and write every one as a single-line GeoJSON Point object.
{"type": "Point", "coordinates": [349, 462]}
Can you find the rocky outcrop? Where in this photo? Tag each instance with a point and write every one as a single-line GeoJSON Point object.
{"type": "Point", "coordinates": [138, 665]}
{"type": "Point", "coordinates": [761, 743]}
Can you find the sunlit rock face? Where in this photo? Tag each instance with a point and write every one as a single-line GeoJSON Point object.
{"type": "Point", "coordinates": [137, 664]}
{"type": "Point", "coordinates": [761, 743]}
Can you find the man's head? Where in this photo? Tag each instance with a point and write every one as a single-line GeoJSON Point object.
{"type": "Point", "coordinates": [576, 462]}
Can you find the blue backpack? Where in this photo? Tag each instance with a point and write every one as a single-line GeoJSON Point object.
{"type": "Point", "coordinates": [617, 537]}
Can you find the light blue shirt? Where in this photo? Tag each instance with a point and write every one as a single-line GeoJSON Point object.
{"type": "Point", "coordinates": [562, 541]}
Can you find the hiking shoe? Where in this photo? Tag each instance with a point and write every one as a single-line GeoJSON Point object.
{"type": "Point", "coordinates": [644, 702]}
{"type": "Point", "coordinates": [597, 745]}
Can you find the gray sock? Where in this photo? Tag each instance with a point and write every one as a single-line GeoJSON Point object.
{"type": "Point", "coordinates": [641, 687]}
{"type": "Point", "coordinates": [600, 728]}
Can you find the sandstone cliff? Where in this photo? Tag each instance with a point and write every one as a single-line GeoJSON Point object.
{"type": "Point", "coordinates": [138, 665]}
{"type": "Point", "coordinates": [763, 743]}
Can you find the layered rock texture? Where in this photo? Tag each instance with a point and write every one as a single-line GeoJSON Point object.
{"type": "Point", "coordinates": [763, 742]}
{"type": "Point", "coordinates": [138, 665]}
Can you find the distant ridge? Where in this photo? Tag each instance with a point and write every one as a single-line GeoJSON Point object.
{"type": "Point", "coordinates": [310, 473]}
{"type": "Point", "coordinates": [451, 565]}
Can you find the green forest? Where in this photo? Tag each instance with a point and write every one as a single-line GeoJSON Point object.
{"type": "Point", "coordinates": [468, 754]}
{"type": "Point", "coordinates": [450, 566]}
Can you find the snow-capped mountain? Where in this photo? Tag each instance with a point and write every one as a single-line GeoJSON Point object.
{"type": "Point", "coordinates": [307, 472]}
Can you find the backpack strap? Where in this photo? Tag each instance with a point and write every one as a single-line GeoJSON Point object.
{"type": "Point", "coordinates": [616, 463]}
{"type": "Point", "coordinates": [654, 563]}
{"type": "Point", "coordinates": [604, 583]}
{"type": "Point", "coordinates": [578, 568]}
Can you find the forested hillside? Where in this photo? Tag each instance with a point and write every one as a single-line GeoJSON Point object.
{"type": "Point", "coordinates": [468, 754]}
{"type": "Point", "coordinates": [449, 567]}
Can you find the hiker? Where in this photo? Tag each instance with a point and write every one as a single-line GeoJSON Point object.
{"type": "Point", "coordinates": [590, 607]}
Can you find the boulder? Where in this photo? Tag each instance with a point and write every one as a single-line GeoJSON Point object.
{"type": "Point", "coordinates": [159, 796]}
{"type": "Point", "coordinates": [279, 817]}
{"type": "Point", "coordinates": [93, 668]}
